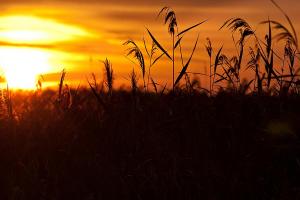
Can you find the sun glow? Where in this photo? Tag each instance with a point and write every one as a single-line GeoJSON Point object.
{"type": "Point", "coordinates": [20, 62]}
{"type": "Point", "coordinates": [23, 36]}
{"type": "Point", "coordinates": [21, 66]}
{"type": "Point", "coordinates": [34, 30]}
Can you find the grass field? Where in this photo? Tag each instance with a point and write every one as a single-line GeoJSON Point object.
{"type": "Point", "coordinates": [151, 146]}
{"type": "Point", "coordinates": [235, 139]}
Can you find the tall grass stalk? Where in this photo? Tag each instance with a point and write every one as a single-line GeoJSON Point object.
{"type": "Point", "coordinates": [245, 30]}
{"type": "Point", "coordinates": [94, 86]}
{"type": "Point", "coordinates": [109, 76]}
{"type": "Point", "coordinates": [7, 105]}
{"type": "Point", "coordinates": [134, 84]}
{"type": "Point", "coordinates": [152, 60]}
{"type": "Point", "coordinates": [136, 52]}
{"type": "Point", "coordinates": [171, 20]}
{"type": "Point", "coordinates": [209, 50]}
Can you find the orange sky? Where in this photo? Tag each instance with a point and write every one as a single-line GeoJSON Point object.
{"type": "Point", "coordinates": [76, 34]}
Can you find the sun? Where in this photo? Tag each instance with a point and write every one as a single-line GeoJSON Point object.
{"type": "Point", "coordinates": [22, 66]}
{"type": "Point", "coordinates": [24, 55]}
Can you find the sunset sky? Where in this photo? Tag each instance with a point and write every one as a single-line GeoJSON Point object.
{"type": "Point", "coordinates": [44, 37]}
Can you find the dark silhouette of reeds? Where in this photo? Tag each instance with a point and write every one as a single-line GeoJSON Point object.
{"type": "Point", "coordinates": [109, 76]}
{"type": "Point", "coordinates": [170, 19]}
{"type": "Point", "coordinates": [138, 55]}
{"type": "Point", "coordinates": [183, 145]}
{"type": "Point", "coordinates": [188, 142]}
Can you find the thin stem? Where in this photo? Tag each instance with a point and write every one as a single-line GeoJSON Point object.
{"type": "Point", "coordinates": [173, 60]}
{"type": "Point", "coordinates": [149, 72]}
{"type": "Point", "coordinates": [149, 75]}
{"type": "Point", "coordinates": [210, 85]}
{"type": "Point", "coordinates": [180, 48]}
{"type": "Point", "coordinates": [144, 84]}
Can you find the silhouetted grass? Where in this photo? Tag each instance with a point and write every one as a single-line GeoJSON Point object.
{"type": "Point", "coordinates": [239, 142]}
{"type": "Point", "coordinates": [183, 145]}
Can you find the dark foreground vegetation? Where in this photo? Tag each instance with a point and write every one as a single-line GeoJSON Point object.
{"type": "Point", "coordinates": [151, 146]}
{"type": "Point", "coordinates": [234, 140]}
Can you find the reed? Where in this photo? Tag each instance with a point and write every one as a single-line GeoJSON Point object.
{"type": "Point", "coordinates": [134, 83]}
{"type": "Point", "coordinates": [137, 54]}
{"type": "Point", "coordinates": [209, 51]}
{"type": "Point", "coordinates": [109, 76]}
{"type": "Point", "coordinates": [171, 20]}
{"type": "Point", "coordinates": [194, 143]}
